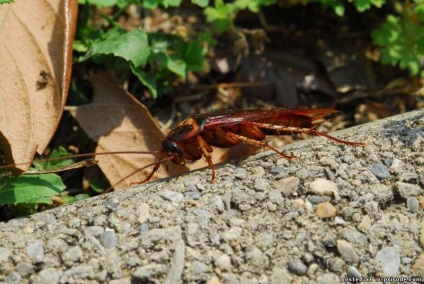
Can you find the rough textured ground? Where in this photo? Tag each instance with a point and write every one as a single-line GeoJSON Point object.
{"type": "Point", "coordinates": [336, 212]}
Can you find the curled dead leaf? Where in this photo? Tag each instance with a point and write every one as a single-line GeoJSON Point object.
{"type": "Point", "coordinates": [35, 59]}
{"type": "Point", "coordinates": [120, 123]}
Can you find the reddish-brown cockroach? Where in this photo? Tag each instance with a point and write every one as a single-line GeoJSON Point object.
{"type": "Point", "coordinates": [194, 137]}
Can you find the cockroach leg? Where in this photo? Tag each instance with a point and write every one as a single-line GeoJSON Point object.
{"type": "Point", "coordinates": [258, 143]}
{"type": "Point", "coordinates": [154, 170]}
{"type": "Point", "coordinates": [310, 131]}
{"type": "Point", "coordinates": [206, 150]}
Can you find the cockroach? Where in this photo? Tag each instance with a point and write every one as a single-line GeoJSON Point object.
{"type": "Point", "coordinates": [193, 138]}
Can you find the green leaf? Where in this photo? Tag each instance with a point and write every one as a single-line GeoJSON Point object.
{"type": "Point", "coordinates": [30, 189]}
{"type": "Point", "coordinates": [201, 3]}
{"type": "Point", "coordinates": [6, 1]}
{"type": "Point", "coordinates": [131, 46]}
{"type": "Point", "coordinates": [221, 15]}
{"type": "Point", "coordinates": [339, 10]}
{"type": "Point", "coordinates": [153, 4]}
{"type": "Point", "coordinates": [253, 5]}
{"type": "Point", "coordinates": [60, 152]}
{"type": "Point", "coordinates": [146, 80]}
{"type": "Point", "coordinates": [192, 54]}
{"type": "Point", "coordinates": [174, 65]}
{"type": "Point", "coordinates": [174, 3]}
{"type": "Point", "coordinates": [100, 3]}
{"type": "Point", "coordinates": [81, 196]}
{"type": "Point", "coordinates": [336, 5]}
{"type": "Point", "coordinates": [207, 38]}
{"type": "Point", "coordinates": [402, 43]}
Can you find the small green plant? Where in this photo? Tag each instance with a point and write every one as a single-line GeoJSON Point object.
{"type": "Point", "coordinates": [401, 36]}
{"type": "Point", "coordinates": [30, 191]}
{"type": "Point", "coordinates": [154, 59]}
{"type": "Point", "coordinates": [401, 39]}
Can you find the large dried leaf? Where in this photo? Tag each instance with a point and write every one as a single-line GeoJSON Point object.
{"type": "Point", "coordinates": [35, 62]}
{"type": "Point", "coordinates": [120, 123]}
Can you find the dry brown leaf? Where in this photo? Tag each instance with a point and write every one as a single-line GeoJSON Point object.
{"type": "Point", "coordinates": [35, 59]}
{"type": "Point", "coordinates": [120, 123]}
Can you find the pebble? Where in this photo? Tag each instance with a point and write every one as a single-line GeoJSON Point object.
{"type": "Point", "coordinates": [126, 280]}
{"type": "Point", "coordinates": [94, 231]}
{"type": "Point", "coordinates": [240, 173]}
{"type": "Point", "coordinates": [412, 204]}
{"type": "Point", "coordinates": [365, 223]}
{"type": "Point", "coordinates": [150, 238]}
{"type": "Point", "coordinates": [214, 280]}
{"type": "Point", "coordinates": [422, 233]}
{"type": "Point", "coordinates": [4, 254]}
{"type": "Point", "coordinates": [418, 266]}
{"type": "Point", "coordinates": [407, 190]}
{"type": "Point", "coordinates": [143, 213]}
{"type": "Point", "coordinates": [336, 264]}
{"type": "Point", "coordinates": [194, 195]}
{"type": "Point", "coordinates": [287, 186]}
{"type": "Point", "coordinates": [326, 210]}
{"type": "Point", "coordinates": [275, 197]}
{"type": "Point", "coordinates": [347, 252]}
{"type": "Point", "coordinates": [36, 251]}
{"type": "Point", "coordinates": [232, 234]}
{"type": "Point", "coordinates": [297, 266]}
{"type": "Point", "coordinates": [317, 199]}
{"type": "Point", "coordinates": [256, 258]}
{"type": "Point", "coordinates": [148, 273]}
{"type": "Point", "coordinates": [109, 239]}
{"type": "Point", "coordinates": [223, 262]}
{"type": "Point", "coordinates": [177, 263]}
{"type": "Point", "coordinates": [278, 169]}
{"type": "Point", "coordinates": [13, 277]}
{"type": "Point", "coordinates": [261, 184]}
{"type": "Point", "coordinates": [24, 268]}
{"type": "Point", "coordinates": [322, 186]}
{"type": "Point", "coordinates": [389, 259]}
{"type": "Point", "coordinates": [74, 254]}
{"type": "Point", "coordinates": [409, 177]}
{"type": "Point", "coordinates": [48, 275]}
{"type": "Point", "coordinates": [171, 195]}
{"type": "Point", "coordinates": [352, 271]}
{"type": "Point", "coordinates": [74, 222]}
{"type": "Point", "coordinates": [218, 204]}
{"type": "Point", "coordinates": [382, 193]}
{"type": "Point", "coordinates": [328, 278]}
{"type": "Point", "coordinates": [379, 170]}
{"type": "Point", "coordinates": [397, 164]}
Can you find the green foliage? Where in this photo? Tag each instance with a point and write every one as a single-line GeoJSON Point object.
{"type": "Point", "coordinates": [402, 40]}
{"type": "Point", "coordinates": [60, 152]}
{"type": "Point", "coordinates": [338, 6]}
{"type": "Point", "coordinates": [167, 56]}
{"type": "Point", "coordinates": [30, 189]}
{"type": "Point", "coordinates": [401, 36]}
{"type": "Point", "coordinates": [131, 46]}
{"type": "Point", "coordinates": [222, 14]}
{"type": "Point", "coordinates": [6, 1]}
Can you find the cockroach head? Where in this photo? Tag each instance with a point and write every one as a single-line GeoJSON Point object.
{"type": "Point", "coordinates": [171, 148]}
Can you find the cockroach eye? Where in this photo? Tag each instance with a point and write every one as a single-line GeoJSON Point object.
{"type": "Point", "coordinates": [171, 147]}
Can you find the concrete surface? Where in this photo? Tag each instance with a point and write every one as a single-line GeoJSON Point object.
{"type": "Point", "coordinates": [335, 213]}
